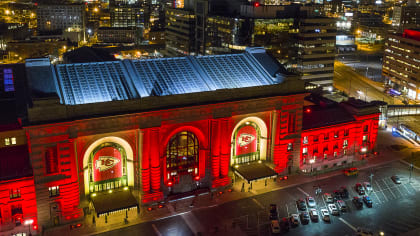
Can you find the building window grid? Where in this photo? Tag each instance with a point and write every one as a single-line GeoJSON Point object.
{"type": "Point", "coordinates": [54, 191]}
{"type": "Point", "coordinates": [14, 193]}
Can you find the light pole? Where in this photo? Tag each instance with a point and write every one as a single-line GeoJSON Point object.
{"type": "Point", "coordinates": [371, 176]}
{"type": "Point", "coordinates": [312, 161]}
{"type": "Point", "coordinates": [29, 223]}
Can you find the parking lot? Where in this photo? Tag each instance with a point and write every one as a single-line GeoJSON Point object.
{"type": "Point", "coordinates": [385, 195]}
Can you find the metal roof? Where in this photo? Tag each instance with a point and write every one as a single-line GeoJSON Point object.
{"type": "Point", "coordinates": [94, 82]}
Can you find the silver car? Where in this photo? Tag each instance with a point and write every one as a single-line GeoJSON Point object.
{"type": "Point", "coordinates": [368, 186]}
{"type": "Point", "coordinates": [310, 201]}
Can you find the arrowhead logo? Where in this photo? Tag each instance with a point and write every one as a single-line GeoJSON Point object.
{"type": "Point", "coordinates": [106, 162]}
{"type": "Point", "coordinates": [245, 139]}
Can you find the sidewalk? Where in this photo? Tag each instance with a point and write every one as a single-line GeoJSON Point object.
{"type": "Point", "coordinates": [180, 207]}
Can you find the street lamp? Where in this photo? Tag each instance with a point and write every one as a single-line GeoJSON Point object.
{"type": "Point", "coordinates": [312, 161]}
{"type": "Point", "coordinates": [29, 223]}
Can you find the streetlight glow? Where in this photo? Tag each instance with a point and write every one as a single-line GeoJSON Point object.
{"type": "Point", "coordinates": [29, 222]}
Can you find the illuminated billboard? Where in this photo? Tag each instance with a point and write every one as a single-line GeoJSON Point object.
{"type": "Point", "coordinates": [107, 164]}
{"type": "Point", "coordinates": [246, 140]}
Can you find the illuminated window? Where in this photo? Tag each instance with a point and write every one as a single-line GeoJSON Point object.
{"type": "Point", "coordinates": [289, 147]}
{"type": "Point", "coordinates": [54, 191]}
{"type": "Point", "coordinates": [336, 134]}
{"type": "Point", "coordinates": [305, 151]}
{"type": "Point", "coordinates": [345, 143]}
{"type": "Point", "coordinates": [365, 138]}
{"type": "Point", "coordinates": [7, 141]}
{"type": "Point", "coordinates": [305, 140]}
{"type": "Point", "coordinates": [13, 140]}
{"type": "Point", "coordinates": [182, 153]}
{"type": "Point", "coordinates": [14, 193]}
{"type": "Point", "coordinates": [8, 80]}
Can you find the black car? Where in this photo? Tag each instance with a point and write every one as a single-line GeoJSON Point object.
{"type": "Point", "coordinates": [273, 212]}
{"type": "Point", "coordinates": [336, 195]}
{"type": "Point", "coordinates": [344, 192]}
{"type": "Point", "coordinates": [367, 201]}
{"type": "Point", "coordinates": [304, 217]}
{"type": "Point", "coordinates": [358, 202]}
{"type": "Point", "coordinates": [301, 205]}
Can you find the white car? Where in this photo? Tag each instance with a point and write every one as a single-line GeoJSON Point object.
{"type": "Point", "coordinates": [310, 201]}
{"type": "Point", "coordinates": [367, 186]}
{"type": "Point", "coordinates": [325, 215]}
{"type": "Point", "coordinates": [333, 209]}
{"type": "Point", "coordinates": [328, 198]}
{"type": "Point", "coordinates": [313, 213]}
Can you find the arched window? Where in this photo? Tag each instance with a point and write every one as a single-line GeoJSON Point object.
{"type": "Point", "coordinates": [107, 167]}
{"type": "Point", "coordinates": [182, 154]}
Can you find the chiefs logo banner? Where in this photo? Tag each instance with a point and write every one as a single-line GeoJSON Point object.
{"type": "Point", "coordinates": [246, 140]}
{"type": "Point", "coordinates": [107, 164]}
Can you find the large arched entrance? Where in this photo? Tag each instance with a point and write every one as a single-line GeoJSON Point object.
{"type": "Point", "coordinates": [108, 164]}
{"type": "Point", "coordinates": [107, 167]}
{"type": "Point", "coordinates": [249, 141]}
{"type": "Point", "coordinates": [182, 162]}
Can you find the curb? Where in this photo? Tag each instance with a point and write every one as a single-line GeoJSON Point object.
{"type": "Point", "coordinates": [415, 167]}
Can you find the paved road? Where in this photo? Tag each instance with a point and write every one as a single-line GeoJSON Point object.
{"type": "Point", "coordinates": [348, 80]}
{"type": "Point", "coordinates": [394, 210]}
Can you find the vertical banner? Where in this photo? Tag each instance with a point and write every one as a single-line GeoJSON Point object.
{"type": "Point", "coordinates": [107, 164]}
{"type": "Point", "coordinates": [246, 140]}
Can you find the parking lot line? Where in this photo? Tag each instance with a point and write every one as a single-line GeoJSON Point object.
{"type": "Point", "coordinates": [408, 191]}
{"type": "Point", "coordinates": [258, 203]}
{"type": "Point", "coordinates": [386, 199]}
{"type": "Point", "coordinates": [347, 223]}
{"type": "Point", "coordinates": [397, 187]}
{"type": "Point", "coordinates": [307, 194]}
{"type": "Point", "coordinates": [390, 190]}
{"type": "Point", "coordinates": [376, 195]}
{"type": "Point", "coordinates": [287, 210]}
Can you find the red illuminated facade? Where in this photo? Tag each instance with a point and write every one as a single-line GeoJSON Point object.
{"type": "Point", "coordinates": [337, 134]}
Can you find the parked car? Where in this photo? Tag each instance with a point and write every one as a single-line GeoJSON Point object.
{"type": "Point", "coordinates": [273, 212]}
{"type": "Point", "coordinates": [313, 213]}
{"type": "Point", "coordinates": [325, 215]}
{"type": "Point", "coordinates": [367, 201]}
{"type": "Point", "coordinates": [342, 206]}
{"type": "Point", "coordinates": [328, 198]}
{"type": "Point", "coordinates": [310, 201]}
{"type": "Point", "coordinates": [304, 217]}
{"type": "Point", "coordinates": [301, 205]}
{"type": "Point", "coordinates": [275, 227]}
{"type": "Point", "coordinates": [333, 209]}
{"type": "Point", "coordinates": [344, 192]}
{"type": "Point", "coordinates": [336, 195]}
{"type": "Point", "coordinates": [294, 220]}
{"type": "Point", "coordinates": [351, 171]}
{"type": "Point", "coordinates": [359, 189]}
{"type": "Point", "coordinates": [396, 179]}
{"type": "Point", "coordinates": [367, 186]}
{"type": "Point", "coordinates": [284, 224]}
{"type": "Point", "coordinates": [358, 202]}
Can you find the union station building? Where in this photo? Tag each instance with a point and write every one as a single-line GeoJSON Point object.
{"type": "Point", "coordinates": [141, 131]}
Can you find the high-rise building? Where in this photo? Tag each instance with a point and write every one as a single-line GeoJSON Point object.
{"type": "Point", "coordinates": [66, 17]}
{"type": "Point", "coordinates": [315, 46]}
{"type": "Point", "coordinates": [406, 17]}
{"type": "Point", "coordinates": [401, 63]}
{"type": "Point", "coordinates": [180, 32]}
{"type": "Point", "coordinates": [128, 13]}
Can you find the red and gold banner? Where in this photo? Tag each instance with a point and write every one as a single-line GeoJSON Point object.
{"type": "Point", "coordinates": [246, 140]}
{"type": "Point", "coordinates": [107, 164]}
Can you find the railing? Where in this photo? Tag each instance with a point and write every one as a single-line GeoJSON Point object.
{"type": "Point", "coordinates": [402, 110]}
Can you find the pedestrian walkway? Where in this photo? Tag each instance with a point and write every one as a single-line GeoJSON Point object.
{"type": "Point", "coordinates": [212, 199]}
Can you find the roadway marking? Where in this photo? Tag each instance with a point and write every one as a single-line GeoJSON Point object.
{"type": "Point", "coordinates": [156, 230]}
{"type": "Point", "coordinates": [307, 194]}
{"type": "Point", "coordinates": [347, 223]}
{"type": "Point", "coordinates": [386, 199]}
{"type": "Point", "coordinates": [379, 200]}
{"type": "Point", "coordinates": [389, 188]}
{"type": "Point", "coordinates": [400, 190]}
{"type": "Point", "coordinates": [258, 203]}
{"type": "Point", "coordinates": [192, 222]}
{"type": "Point", "coordinates": [287, 210]}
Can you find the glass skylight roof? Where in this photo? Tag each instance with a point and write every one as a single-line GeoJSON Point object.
{"type": "Point", "coordinates": [130, 79]}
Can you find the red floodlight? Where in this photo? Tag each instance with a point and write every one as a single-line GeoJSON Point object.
{"type": "Point", "coordinates": [160, 206]}
{"type": "Point", "coordinates": [285, 177]}
{"type": "Point", "coordinates": [170, 183]}
{"type": "Point", "coordinates": [149, 208]}
{"type": "Point", "coordinates": [256, 4]}
{"type": "Point", "coordinates": [197, 178]}
{"type": "Point", "coordinates": [35, 227]}
{"type": "Point", "coordinates": [308, 110]}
